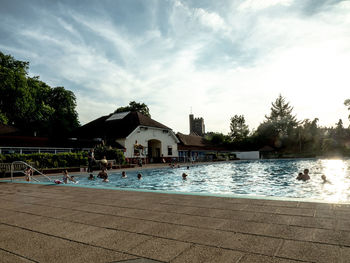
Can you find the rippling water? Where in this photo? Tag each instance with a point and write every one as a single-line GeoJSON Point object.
{"type": "Point", "coordinates": [256, 178]}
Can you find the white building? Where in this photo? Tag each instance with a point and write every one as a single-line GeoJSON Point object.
{"type": "Point", "coordinates": [138, 135]}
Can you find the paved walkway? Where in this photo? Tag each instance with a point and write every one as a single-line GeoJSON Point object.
{"type": "Point", "coordinates": [49, 223]}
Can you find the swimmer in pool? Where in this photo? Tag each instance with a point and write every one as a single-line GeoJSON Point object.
{"type": "Point", "coordinates": [91, 177]}
{"type": "Point", "coordinates": [139, 176]}
{"type": "Point", "coordinates": [66, 177]}
{"type": "Point", "coordinates": [324, 179]}
{"type": "Point", "coordinates": [102, 174]}
{"type": "Point", "coordinates": [184, 176]}
{"type": "Point", "coordinates": [105, 179]}
{"type": "Point", "coordinates": [300, 176]}
{"type": "Point", "coordinates": [123, 174]}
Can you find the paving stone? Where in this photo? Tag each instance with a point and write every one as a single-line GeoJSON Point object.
{"type": "Point", "coordinates": [281, 203]}
{"type": "Point", "coordinates": [295, 211]}
{"type": "Point", "coordinates": [314, 222]}
{"type": "Point", "coordinates": [206, 254]}
{"type": "Point", "coordinates": [325, 213]}
{"type": "Point", "coordinates": [265, 259]}
{"type": "Point", "coordinates": [290, 232]}
{"type": "Point", "coordinates": [245, 227]}
{"type": "Point", "coordinates": [252, 243]}
{"type": "Point", "coordinates": [7, 257]}
{"type": "Point", "coordinates": [44, 248]}
{"type": "Point", "coordinates": [308, 251]}
{"type": "Point", "coordinates": [160, 249]}
{"type": "Point", "coordinates": [117, 240]}
{"type": "Point", "coordinates": [271, 218]}
{"type": "Point", "coordinates": [342, 224]}
{"type": "Point", "coordinates": [139, 260]}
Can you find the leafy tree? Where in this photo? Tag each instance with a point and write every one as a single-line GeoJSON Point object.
{"type": "Point", "coordinates": [239, 130]}
{"type": "Point", "coordinates": [347, 103]}
{"type": "Point", "coordinates": [135, 106]}
{"type": "Point", "coordinates": [217, 138]}
{"type": "Point", "coordinates": [281, 116]}
{"type": "Point", "coordinates": [3, 118]}
{"type": "Point", "coordinates": [65, 117]}
{"type": "Point", "coordinates": [15, 101]}
{"type": "Point", "coordinates": [31, 105]}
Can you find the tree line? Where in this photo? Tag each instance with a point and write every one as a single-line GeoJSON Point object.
{"type": "Point", "coordinates": [285, 135]}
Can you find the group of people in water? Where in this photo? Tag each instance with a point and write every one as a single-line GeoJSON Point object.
{"type": "Point", "coordinates": [104, 176]}
{"type": "Point", "coordinates": [305, 177]}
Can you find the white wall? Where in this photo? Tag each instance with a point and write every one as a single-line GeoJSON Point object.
{"type": "Point", "coordinates": [253, 155]}
{"type": "Point", "coordinates": [142, 137]}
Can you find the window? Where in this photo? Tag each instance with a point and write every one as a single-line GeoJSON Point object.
{"type": "Point", "coordinates": [170, 151]}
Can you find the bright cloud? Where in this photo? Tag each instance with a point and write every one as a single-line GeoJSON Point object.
{"type": "Point", "coordinates": [261, 4]}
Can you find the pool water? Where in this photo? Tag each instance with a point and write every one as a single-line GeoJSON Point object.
{"type": "Point", "coordinates": [255, 178]}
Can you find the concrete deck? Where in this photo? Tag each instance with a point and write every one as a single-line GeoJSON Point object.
{"type": "Point", "coordinates": [48, 223]}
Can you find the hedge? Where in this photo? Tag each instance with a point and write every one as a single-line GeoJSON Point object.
{"type": "Point", "coordinates": [49, 160]}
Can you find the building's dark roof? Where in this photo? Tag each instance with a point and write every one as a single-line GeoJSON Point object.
{"type": "Point", "coordinates": [191, 140]}
{"type": "Point", "coordinates": [118, 125]}
{"type": "Point", "coordinates": [7, 129]}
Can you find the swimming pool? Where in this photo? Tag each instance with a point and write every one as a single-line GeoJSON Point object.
{"type": "Point", "coordinates": [266, 178]}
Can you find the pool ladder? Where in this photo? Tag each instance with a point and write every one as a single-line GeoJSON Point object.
{"type": "Point", "coordinates": [27, 165]}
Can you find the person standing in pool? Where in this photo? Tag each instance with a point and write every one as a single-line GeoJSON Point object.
{"type": "Point", "coordinates": [91, 159]}
{"type": "Point", "coordinates": [324, 179]}
{"type": "Point", "coordinates": [28, 174]}
{"type": "Point", "coordinates": [66, 177]}
{"type": "Point", "coordinates": [304, 176]}
{"type": "Point", "coordinates": [103, 174]}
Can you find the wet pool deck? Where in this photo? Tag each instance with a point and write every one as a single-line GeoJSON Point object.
{"type": "Point", "coordinates": [49, 223]}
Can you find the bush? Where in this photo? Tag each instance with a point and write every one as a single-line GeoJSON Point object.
{"type": "Point", "coordinates": [48, 160]}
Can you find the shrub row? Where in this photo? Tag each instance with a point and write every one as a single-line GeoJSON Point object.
{"type": "Point", "coordinates": [49, 160]}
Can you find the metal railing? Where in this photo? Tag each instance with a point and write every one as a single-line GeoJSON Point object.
{"type": "Point", "coordinates": [27, 165]}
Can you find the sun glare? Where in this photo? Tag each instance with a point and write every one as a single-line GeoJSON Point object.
{"type": "Point", "coordinates": [335, 172]}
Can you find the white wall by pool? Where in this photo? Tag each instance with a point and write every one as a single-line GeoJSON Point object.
{"type": "Point", "coordinates": [252, 155]}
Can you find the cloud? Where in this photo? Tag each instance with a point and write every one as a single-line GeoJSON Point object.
{"type": "Point", "coordinates": [210, 19]}
{"type": "Point", "coordinates": [262, 4]}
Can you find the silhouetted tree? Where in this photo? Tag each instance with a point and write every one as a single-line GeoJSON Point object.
{"type": "Point", "coordinates": [135, 106]}
{"type": "Point", "coordinates": [239, 130]}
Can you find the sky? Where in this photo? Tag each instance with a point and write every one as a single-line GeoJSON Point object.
{"type": "Point", "coordinates": [216, 58]}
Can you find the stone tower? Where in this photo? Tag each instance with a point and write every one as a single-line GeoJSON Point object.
{"type": "Point", "coordinates": [197, 126]}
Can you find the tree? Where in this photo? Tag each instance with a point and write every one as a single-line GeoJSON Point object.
{"type": "Point", "coordinates": [135, 106]}
{"type": "Point", "coordinates": [217, 138]}
{"type": "Point", "coordinates": [3, 118]}
{"type": "Point", "coordinates": [65, 117]}
{"type": "Point", "coordinates": [281, 116]}
{"type": "Point", "coordinates": [347, 103]}
{"type": "Point", "coordinates": [16, 101]}
{"type": "Point", "coordinates": [239, 130]}
{"type": "Point", "coordinates": [31, 105]}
